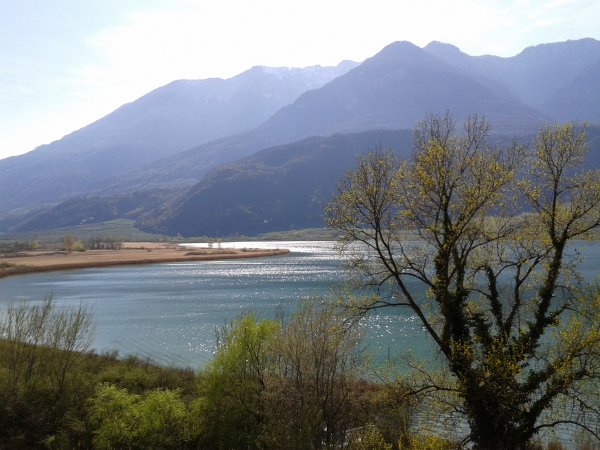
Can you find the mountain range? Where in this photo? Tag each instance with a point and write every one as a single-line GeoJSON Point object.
{"type": "Point", "coordinates": [166, 121]}
{"type": "Point", "coordinates": [262, 151]}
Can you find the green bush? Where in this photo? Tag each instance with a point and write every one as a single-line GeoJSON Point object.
{"type": "Point", "coordinates": [139, 375]}
{"type": "Point", "coordinates": [233, 384]}
{"type": "Point", "coordinates": [157, 419]}
{"type": "Point", "coordinates": [369, 438]}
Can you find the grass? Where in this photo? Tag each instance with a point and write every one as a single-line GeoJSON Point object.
{"type": "Point", "coordinates": [119, 229]}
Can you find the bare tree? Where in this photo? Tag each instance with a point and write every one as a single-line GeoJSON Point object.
{"type": "Point", "coordinates": [42, 342]}
{"type": "Point", "coordinates": [310, 404]}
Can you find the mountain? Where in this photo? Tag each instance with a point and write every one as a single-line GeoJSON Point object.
{"type": "Point", "coordinates": [560, 79]}
{"type": "Point", "coordinates": [578, 99]}
{"type": "Point", "coordinates": [170, 119]}
{"type": "Point", "coordinates": [286, 187]}
{"type": "Point", "coordinates": [394, 89]}
{"type": "Point", "coordinates": [399, 86]}
{"type": "Point", "coordinates": [538, 72]}
{"type": "Point", "coordinates": [87, 210]}
{"type": "Point", "coordinates": [280, 188]}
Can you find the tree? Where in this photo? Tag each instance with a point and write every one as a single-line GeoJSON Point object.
{"type": "Point", "coordinates": [288, 385]}
{"type": "Point", "coordinates": [310, 396]}
{"type": "Point", "coordinates": [68, 242]}
{"type": "Point", "coordinates": [41, 348]}
{"type": "Point", "coordinates": [505, 306]}
{"type": "Point", "coordinates": [158, 419]}
{"type": "Point", "coordinates": [233, 385]}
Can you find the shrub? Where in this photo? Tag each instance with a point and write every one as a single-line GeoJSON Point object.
{"type": "Point", "coordinates": [157, 419]}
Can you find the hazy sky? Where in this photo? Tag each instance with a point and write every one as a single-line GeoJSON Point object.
{"type": "Point", "coordinates": [66, 63]}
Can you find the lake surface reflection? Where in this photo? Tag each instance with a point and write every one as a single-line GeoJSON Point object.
{"type": "Point", "coordinates": [169, 312]}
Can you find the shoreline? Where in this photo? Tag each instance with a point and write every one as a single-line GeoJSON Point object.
{"type": "Point", "coordinates": [131, 254]}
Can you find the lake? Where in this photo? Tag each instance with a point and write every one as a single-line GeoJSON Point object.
{"type": "Point", "coordinates": [169, 312]}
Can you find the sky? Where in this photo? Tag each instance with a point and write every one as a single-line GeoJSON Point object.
{"type": "Point", "coordinates": [67, 63]}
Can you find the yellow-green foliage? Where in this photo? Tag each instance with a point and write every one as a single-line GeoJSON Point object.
{"type": "Point", "coordinates": [46, 378]}
{"type": "Point", "coordinates": [504, 299]}
{"type": "Point", "coordinates": [429, 443]}
{"type": "Point", "coordinates": [138, 375]}
{"type": "Point", "coordinates": [157, 419]}
{"type": "Point", "coordinates": [369, 438]}
{"type": "Point", "coordinates": [232, 410]}
{"type": "Point", "coordinates": [275, 386]}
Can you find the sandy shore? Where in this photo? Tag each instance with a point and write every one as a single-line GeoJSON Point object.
{"type": "Point", "coordinates": [130, 253]}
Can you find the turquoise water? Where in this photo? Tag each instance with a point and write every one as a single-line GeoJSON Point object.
{"type": "Point", "coordinates": [169, 312]}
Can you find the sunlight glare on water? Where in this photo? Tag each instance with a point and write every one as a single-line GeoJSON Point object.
{"type": "Point", "coordinates": [169, 312]}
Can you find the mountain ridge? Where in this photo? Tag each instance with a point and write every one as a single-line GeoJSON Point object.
{"type": "Point", "coordinates": [393, 89]}
{"type": "Point", "coordinates": [165, 121]}
{"type": "Point", "coordinates": [361, 99]}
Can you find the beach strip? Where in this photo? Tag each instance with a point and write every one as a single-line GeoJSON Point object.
{"type": "Point", "coordinates": [130, 254]}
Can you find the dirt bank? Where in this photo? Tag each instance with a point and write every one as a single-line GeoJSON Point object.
{"type": "Point", "coordinates": [130, 253]}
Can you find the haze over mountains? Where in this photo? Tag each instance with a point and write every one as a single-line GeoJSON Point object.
{"type": "Point", "coordinates": [157, 159]}
{"type": "Point", "coordinates": [167, 120]}
{"type": "Point", "coordinates": [536, 75]}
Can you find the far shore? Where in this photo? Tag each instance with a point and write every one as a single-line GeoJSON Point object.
{"type": "Point", "coordinates": [130, 253]}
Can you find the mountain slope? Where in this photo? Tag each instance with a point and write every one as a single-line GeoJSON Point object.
{"type": "Point", "coordinates": [280, 188]}
{"type": "Point", "coordinates": [88, 210]}
{"type": "Point", "coordinates": [579, 99]}
{"type": "Point", "coordinates": [394, 89]}
{"type": "Point", "coordinates": [286, 187]}
{"type": "Point", "coordinates": [538, 72]}
{"type": "Point", "coordinates": [557, 78]}
{"type": "Point", "coordinates": [169, 119]}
